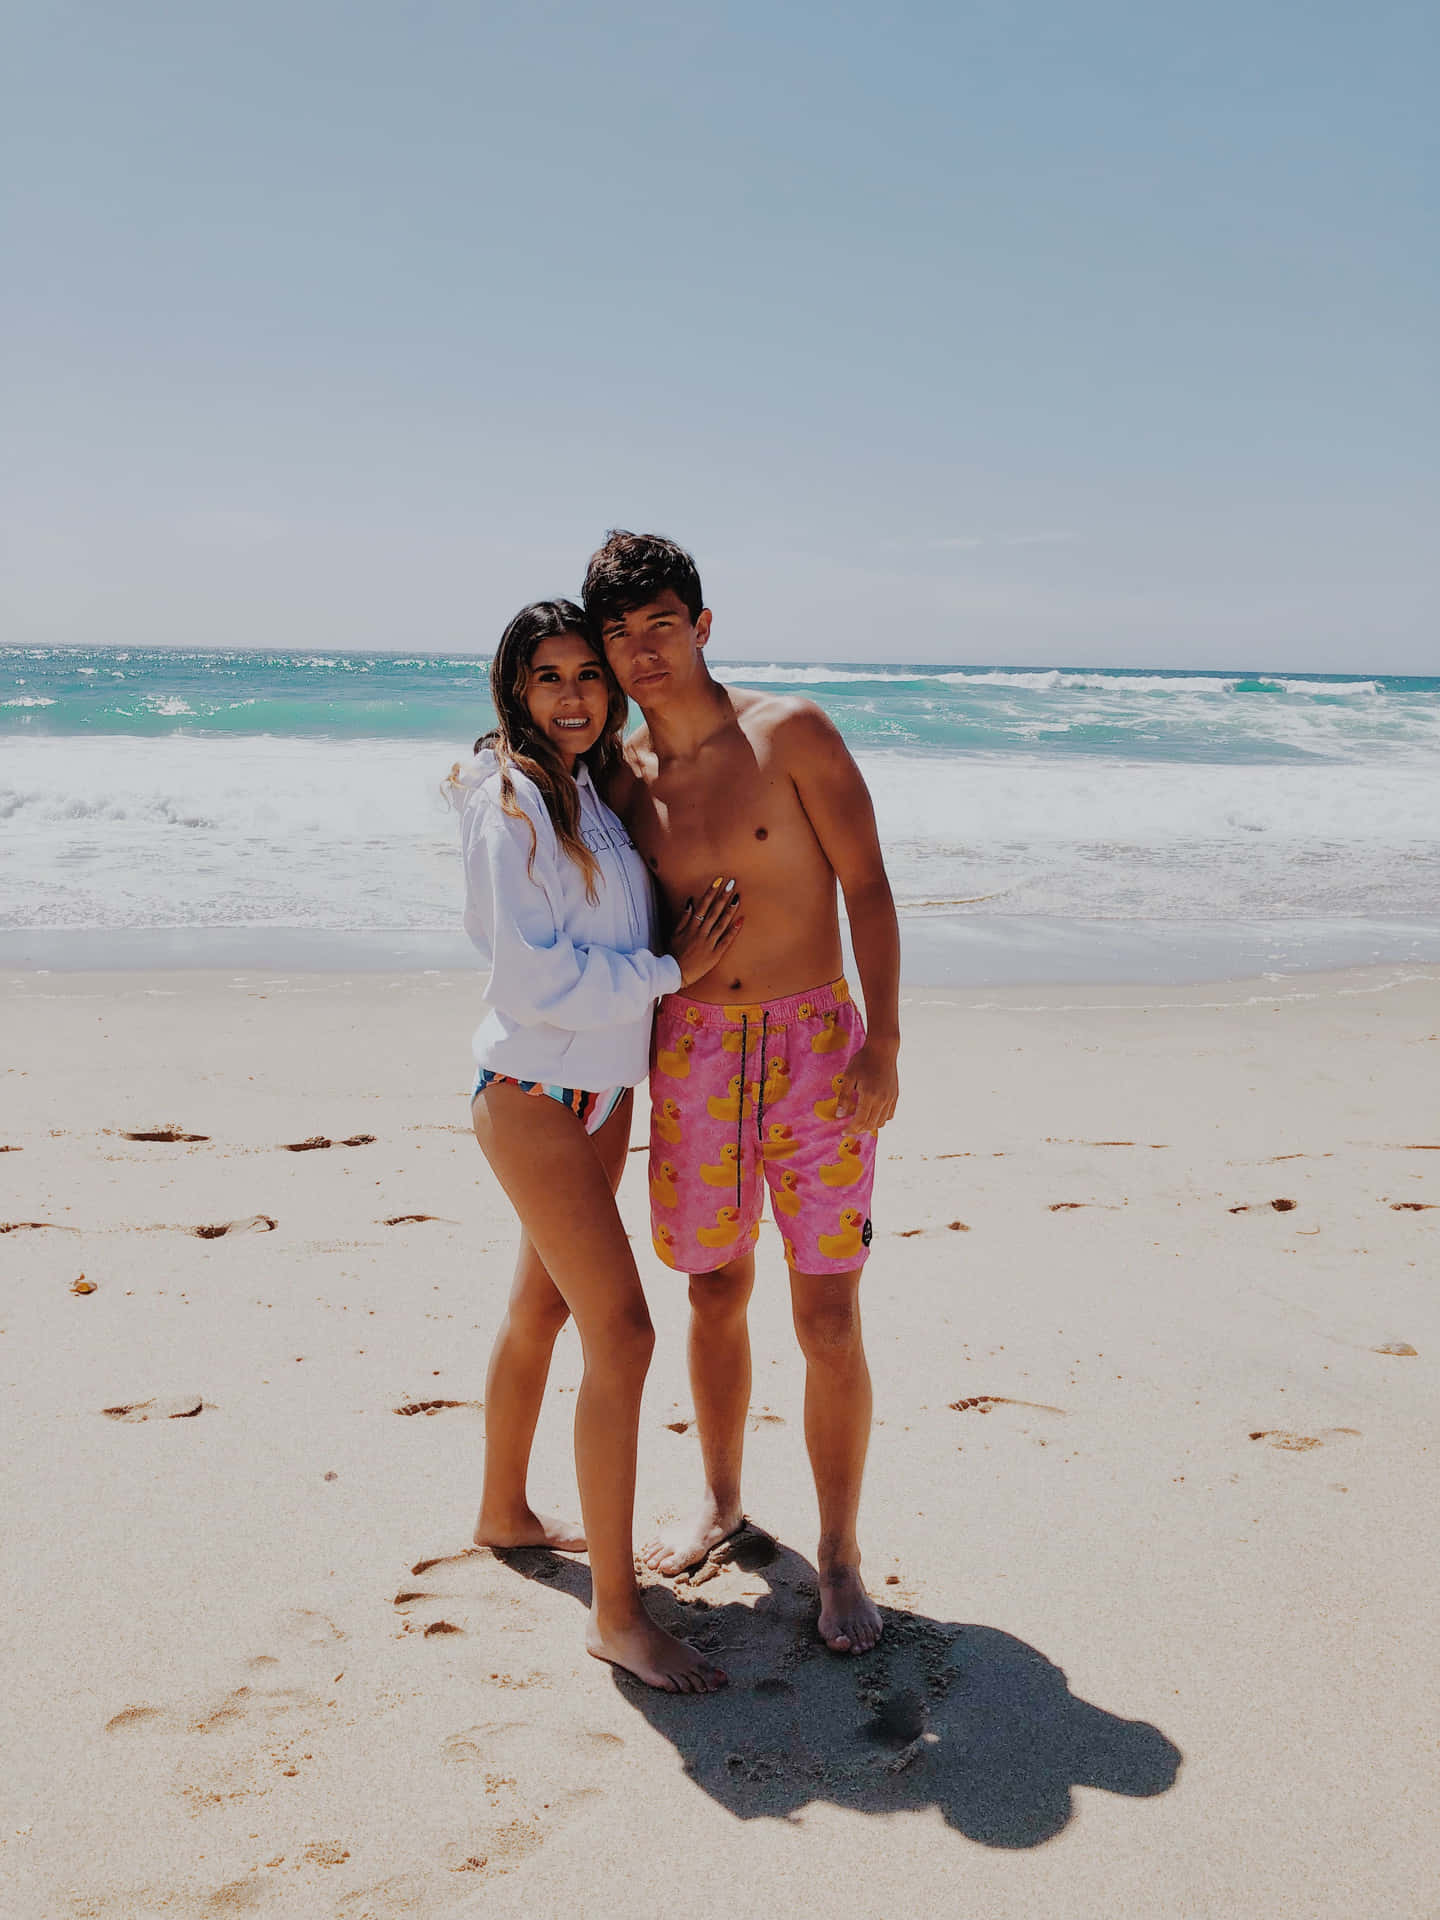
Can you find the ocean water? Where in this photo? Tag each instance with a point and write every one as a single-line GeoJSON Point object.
{"type": "Point", "coordinates": [281, 808]}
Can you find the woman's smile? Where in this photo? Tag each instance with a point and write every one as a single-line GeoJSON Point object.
{"type": "Point", "coordinates": [566, 693]}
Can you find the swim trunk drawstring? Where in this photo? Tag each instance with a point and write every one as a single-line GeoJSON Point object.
{"type": "Point", "coordinates": [760, 1099]}
{"type": "Point", "coordinates": [740, 1110]}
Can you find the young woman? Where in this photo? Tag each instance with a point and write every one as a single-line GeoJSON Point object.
{"type": "Point", "coordinates": [559, 904]}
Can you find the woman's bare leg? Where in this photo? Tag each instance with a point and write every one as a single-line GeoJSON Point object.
{"type": "Point", "coordinates": [557, 1183]}
{"type": "Point", "coordinates": [515, 1383]}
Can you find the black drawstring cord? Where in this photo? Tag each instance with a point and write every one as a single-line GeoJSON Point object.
{"type": "Point", "coordinates": [760, 1103]}
{"type": "Point", "coordinates": [740, 1109]}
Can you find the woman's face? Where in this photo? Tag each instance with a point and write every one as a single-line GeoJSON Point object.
{"type": "Point", "coordinates": [567, 694]}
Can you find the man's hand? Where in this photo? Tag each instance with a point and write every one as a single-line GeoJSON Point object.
{"type": "Point", "coordinates": [872, 1087]}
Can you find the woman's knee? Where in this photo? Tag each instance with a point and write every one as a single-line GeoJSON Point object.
{"type": "Point", "coordinates": [538, 1315]}
{"type": "Point", "coordinates": [622, 1341]}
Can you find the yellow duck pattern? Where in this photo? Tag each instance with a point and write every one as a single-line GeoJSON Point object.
{"type": "Point", "coordinates": [831, 1036]}
{"type": "Point", "coordinates": [663, 1241]}
{"type": "Point", "coordinates": [849, 1241]}
{"type": "Point", "coordinates": [779, 1143]}
{"type": "Point", "coordinates": [826, 1109]}
{"type": "Point", "coordinates": [847, 1167]}
{"type": "Point", "coordinates": [676, 1063]}
{"type": "Point", "coordinates": [722, 1174]}
{"type": "Point", "coordinates": [727, 1106]}
{"type": "Point", "coordinates": [666, 1118]}
{"type": "Point", "coordinates": [725, 1231]}
{"type": "Point", "coordinates": [787, 1196]}
{"type": "Point", "coordinates": [662, 1186]}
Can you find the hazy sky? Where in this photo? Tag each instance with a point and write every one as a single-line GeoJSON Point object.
{"type": "Point", "coordinates": [1011, 333]}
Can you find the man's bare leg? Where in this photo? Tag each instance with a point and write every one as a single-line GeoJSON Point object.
{"type": "Point", "coordinates": [719, 1355]}
{"type": "Point", "coordinates": [515, 1384]}
{"type": "Point", "coordinates": [826, 1308]}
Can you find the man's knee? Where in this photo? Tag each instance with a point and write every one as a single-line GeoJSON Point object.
{"type": "Point", "coordinates": [725, 1293]}
{"type": "Point", "coordinates": [827, 1324]}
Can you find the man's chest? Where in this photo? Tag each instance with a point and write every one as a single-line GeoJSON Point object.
{"type": "Point", "coordinates": [729, 816]}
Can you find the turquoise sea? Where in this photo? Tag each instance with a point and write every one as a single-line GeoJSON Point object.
{"type": "Point", "coordinates": [1062, 822]}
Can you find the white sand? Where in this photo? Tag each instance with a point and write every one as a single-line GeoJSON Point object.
{"type": "Point", "coordinates": [216, 1704]}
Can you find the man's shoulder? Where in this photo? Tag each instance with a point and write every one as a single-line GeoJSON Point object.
{"type": "Point", "coordinates": [792, 726]}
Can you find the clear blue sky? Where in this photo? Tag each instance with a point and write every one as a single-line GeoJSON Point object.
{"type": "Point", "coordinates": [1015, 333]}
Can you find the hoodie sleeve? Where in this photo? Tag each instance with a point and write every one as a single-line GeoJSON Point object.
{"type": "Point", "coordinates": [539, 975]}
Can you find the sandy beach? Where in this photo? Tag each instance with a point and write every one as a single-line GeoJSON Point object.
{"type": "Point", "coordinates": [1154, 1325]}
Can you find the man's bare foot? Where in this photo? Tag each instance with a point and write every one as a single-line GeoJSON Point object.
{"type": "Point", "coordinates": [654, 1656]}
{"type": "Point", "coordinates": [849, 1619]}
{"type": "Point", "coordinates": [679, 1549]}
{"type": "Point", "coordinates": [527, 1529]}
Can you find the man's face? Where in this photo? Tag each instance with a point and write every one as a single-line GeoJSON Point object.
{"type": "Point", "coordinates": [653, 649]}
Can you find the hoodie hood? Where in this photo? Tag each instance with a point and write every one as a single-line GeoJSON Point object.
{"type": "Point", "coordinates": [464, 778]}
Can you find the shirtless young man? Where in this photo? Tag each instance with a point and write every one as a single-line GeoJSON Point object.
{"type": "Point", "coordinates": [762, 1072]}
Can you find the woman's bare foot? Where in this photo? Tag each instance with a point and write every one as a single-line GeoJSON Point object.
{"type": "Point", "coordinates": [654, 1656]}
{"type": "Point", "coordinates": [682, 1547]}
{"type": "Point", "coordinates": [849, 1619]}
{"type": "Point", "coordinates": [529, 1529]}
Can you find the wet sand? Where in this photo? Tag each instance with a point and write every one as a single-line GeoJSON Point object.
{"type": "Point", "coordinates": [1150, 1505]}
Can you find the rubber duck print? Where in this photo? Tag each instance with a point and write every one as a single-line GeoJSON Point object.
{"type": "Point", "coordinates": [779, 1142]}
{"type": "Point", "coordinates": [666, 1120]}
{"type": "Point", "coordinates": [788, 1198]}
{"type": "Point", "coordinates": [831, 1036]}
{"type": "Point", "coordinates": [848, 1165]}
{"type": "Point", "coordinates": [849, 1241]}
{"type": "Point", "coordinates": [777, 1081]}
{"type": "Point", "coordinates": [662, 1186]}
{"type": "Point", "coordinates": [694, 1017]}
{"type": "Point", "coordinates": [723, 1173]}
{"type": "Point", "coordinates": [788, 1245]}
{"type": "Point", "coordinates": [826, 1109]}
{"type": "Point", "coordinates": [727, 1106]}
{"type": "Point", "coordinates": [676, 1063]}
{"type": "Point", "coordinates": [663, 1241]}
{"type": "Point", "coordinates": [725, 1230]}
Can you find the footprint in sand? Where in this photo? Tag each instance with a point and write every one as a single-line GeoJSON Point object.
{"type": "Point", "coordinates": [319, 1140]}
{"type": "Point", "coordinates": [1288, 1442]}
{"type": "Point", "coordinates": [181, 1407]}
{"type": "Point", "coordinates": [307, 1629]}
{"type": "Point", "coordinates": [129, 1717]}
{"type": "Point", "coordinates": [252, 1223]}
{"type": "Point", "coordinates": [983, 1402]}
{"type": "Point", "coordinates": [412, 1407]}
{"type": "Point", "coordinates": [166, 1134]}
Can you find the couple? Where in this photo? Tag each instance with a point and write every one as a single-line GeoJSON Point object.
{"type": "Point", "coordinates": [742, 811]}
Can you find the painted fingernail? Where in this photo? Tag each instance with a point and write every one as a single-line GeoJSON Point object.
{"type": "Point", "coordinates": [718, 881]}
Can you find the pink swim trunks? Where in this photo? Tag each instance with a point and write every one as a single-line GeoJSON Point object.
{"type": "Point", "coordinates": [743, 1097]}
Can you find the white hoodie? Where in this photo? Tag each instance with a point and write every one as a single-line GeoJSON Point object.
{"type": "Point", "coordinates": [573, 985]}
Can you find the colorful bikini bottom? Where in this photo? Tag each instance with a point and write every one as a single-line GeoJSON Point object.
{"type": "Point", "coordinates": [591, 1109]}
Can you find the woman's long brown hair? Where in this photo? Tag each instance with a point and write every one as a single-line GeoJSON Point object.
{"type": "Point", "coordinates": [517, 743]}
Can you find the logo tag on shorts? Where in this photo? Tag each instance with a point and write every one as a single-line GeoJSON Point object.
{"type": "Point", "coordinates": [867, 1234]}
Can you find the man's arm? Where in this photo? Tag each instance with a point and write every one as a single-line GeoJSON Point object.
{"type": "Point", "coordinates": [837, 802]}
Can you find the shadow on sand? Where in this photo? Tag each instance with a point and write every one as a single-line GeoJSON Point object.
{"type": "Point", "coordinates": [941, 1714]}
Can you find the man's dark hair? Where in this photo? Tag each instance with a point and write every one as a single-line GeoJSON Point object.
{"type": "Point", "coordinates": [632, 569]}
